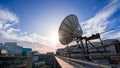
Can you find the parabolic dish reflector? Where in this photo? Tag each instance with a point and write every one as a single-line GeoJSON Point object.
{"type": "Point", "coordinates": [69, 29]}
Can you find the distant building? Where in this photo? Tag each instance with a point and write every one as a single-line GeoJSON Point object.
{"type": "Point", "coordinates": [2, 48]}
{"type": "Point", "coordinates": [26, 51]}
{"type": "Point", "coordinates": [60, 51]}
{"type": "Point", "coordinates": [1, 44]}
{"type": "Point", "coordinates": [13, 49]}
{"type": "Point", "coordinates": [115, 48]}
{"type": "Point", "coordinates": [50, 53]}
{"type": "Point", "coordinates": [35, 53]}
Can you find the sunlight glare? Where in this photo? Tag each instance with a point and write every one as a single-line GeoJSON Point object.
{"type": "Point", "coordinates": [54, 37]}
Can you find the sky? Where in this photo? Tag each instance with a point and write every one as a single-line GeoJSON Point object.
{"type": "Point", "coordinates": [35, 23]}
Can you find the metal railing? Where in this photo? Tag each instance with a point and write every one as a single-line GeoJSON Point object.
{"type": "Point", "coordinates": [81, 63]}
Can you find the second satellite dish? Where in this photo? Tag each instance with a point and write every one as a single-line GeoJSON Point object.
{"type": "Point", "coordinates": [69, 29]}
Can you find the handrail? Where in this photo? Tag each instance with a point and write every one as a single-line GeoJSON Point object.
{"type": "Point", "coordinates": [86, 62]}
{"type": "Point", "coordinates": [101, 55]}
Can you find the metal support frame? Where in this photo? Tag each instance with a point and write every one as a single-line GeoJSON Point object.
{"type": "Point", "coordinates": [95, 47]}
{"type": "Point", "coordinates": [84, 48]}
{"type": "Point", "coordinates": [68, 50]}
{"type": "Point", "coordinates": [103, 45]}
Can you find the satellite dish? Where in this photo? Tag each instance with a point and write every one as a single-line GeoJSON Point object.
{"type": "Point", "coordinates": [69, 29]}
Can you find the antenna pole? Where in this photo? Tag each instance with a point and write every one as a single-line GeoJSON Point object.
{"type": "Point", "coordinates": [107, 30]}
{"type": "Point", "coordinates": [68, 50]}
{"type": "Point", "coordinates": [78, 44]}
{"type": "Point", "coordinates": [83, 48]}
{"type": "Point", "coordinates": [94, 46]}
{"type": "Point", "coordinates": [87, 51]}
{"type": "Point", "coordinates": [103, 45]}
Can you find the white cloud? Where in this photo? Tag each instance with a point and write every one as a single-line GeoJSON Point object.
{"type": "Point", "coordinates": [8, 33]}
{"type": "Point", "coordinates": [99, 22]}
{"type": "Point", "coordinates": [7, 19]}
{"type": "Point", "coordinates": [7, 16]}
{"type": "Point", "coordinates": [6, 26]}
{"type": "Point", "coordinates": [12, 30]}
{"type": "Point", "coordinates": [1, 25]}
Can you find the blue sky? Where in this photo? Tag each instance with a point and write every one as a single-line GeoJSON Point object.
{"type": "Point", "coordinates": [38, 21]}
{"type": "Point", "coordinates": [49, 13]}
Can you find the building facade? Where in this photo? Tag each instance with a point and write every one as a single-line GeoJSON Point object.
{"type": "Point", "coordinates": [26, 51]}
{"type": "Point", "coordinates": [13, 48]}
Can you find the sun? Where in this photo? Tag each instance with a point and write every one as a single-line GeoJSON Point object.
{"type": "Point", "coordinates": [54, 37]}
